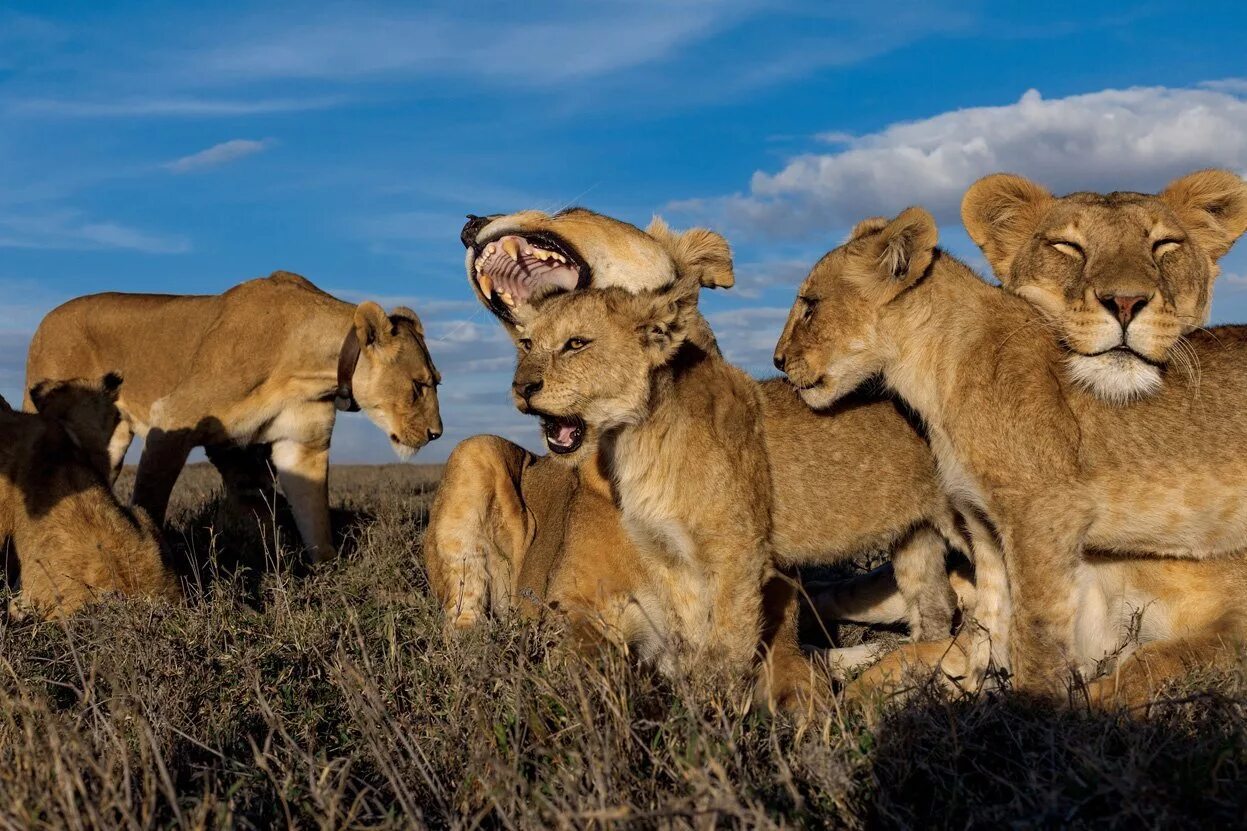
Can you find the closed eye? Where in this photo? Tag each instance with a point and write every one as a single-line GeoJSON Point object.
{"type": "Point", "coordinates": [525, 345]}
{"type": "Point", "coordinates": [810, 303]}
{"type": "Point", "coordinates": [576, 344]}
{"type": "Point", "coordinates": [1163, 246]}
{"type": "Point", "coordinates": [417, 390]}
{"type": "Point", "coordinates": [1071, 249]}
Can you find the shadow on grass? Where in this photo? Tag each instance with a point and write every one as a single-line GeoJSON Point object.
{"type": "Point", "coordinates": [1006, 761]}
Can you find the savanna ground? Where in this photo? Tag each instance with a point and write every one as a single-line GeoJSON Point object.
{"type": "Point", "coordinates": [332, 699]}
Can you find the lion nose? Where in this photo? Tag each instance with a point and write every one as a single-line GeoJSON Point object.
{"type": "Point", "coordinates": [779, 361]}
{"type": "Point", "coordinates": [527, 389]}
{"type": "Point", "coordinates": [1123, 306]}
{"type": "Point", "coordinates": [434, 435]}
{"type": "Point", "coordinates": [471, 228]}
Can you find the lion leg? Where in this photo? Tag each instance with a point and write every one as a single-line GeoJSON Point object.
{"type": "Point", "coordinates": [905, 669]}
{"type": "Point", "coordinates": [1139, 677]}
{"type": "Point", "coordinates": [303, 471]}
{"type": "Point", "coordinates": [118, 446]}
{"type": "Point", "coordinates": [1044, 559]}
{"type": "Point", "coordinates": [987, 601]}
{"type": "Point", "coordinates": [478, 529]}
{"type": "Point", "coordinates": [870, 599]}
{"type": "Point", "coordinates": [164, 456]}
{"type": "Point", "coordinates": [246, 474]}
{"type": "Point", "coordinates": [922, 578]}
{"type": "Point", "coordinates": [788, 680]}
{"type": "Point", "coordinates": [249, 483]}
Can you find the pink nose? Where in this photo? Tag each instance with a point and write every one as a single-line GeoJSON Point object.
{"type": "Point", "coordinates": [1124, 306]}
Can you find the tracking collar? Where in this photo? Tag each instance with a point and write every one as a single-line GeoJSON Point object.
{"type": "Point", "coordinates": [348, 358]}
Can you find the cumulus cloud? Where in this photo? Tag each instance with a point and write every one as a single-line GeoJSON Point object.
{"type": "Point", "coordinates": [218, 154]}
{"type": "Point", "coordinates": [1135, 138]}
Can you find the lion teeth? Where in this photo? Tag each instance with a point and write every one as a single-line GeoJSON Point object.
{"type": "Point", "coordinates": [512, 248]}
{"type": "Point", "coordinates": [507, 298]}
{"type": "Point", "coordinates": [541, 254]}
{"type": "Point", "coordinates": [487, 284]}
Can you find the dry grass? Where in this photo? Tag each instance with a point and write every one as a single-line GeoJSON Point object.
{"type": "Point", "coordinates": [332, 700]}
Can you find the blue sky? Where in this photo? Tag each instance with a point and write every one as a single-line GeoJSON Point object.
{"type": "Point", "coordinates": [150, 147]}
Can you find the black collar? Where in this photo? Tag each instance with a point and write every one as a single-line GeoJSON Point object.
{"type": "Point", "coordinates": [348, 358]}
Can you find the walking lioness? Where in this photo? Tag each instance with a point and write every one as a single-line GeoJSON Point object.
{"type": "Point", "coordinates": [268, 362]}
{"type": "Point", "coordinates": [1055, 469]}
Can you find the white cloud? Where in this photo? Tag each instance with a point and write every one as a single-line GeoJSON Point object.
{"type": "Point", "coordinates": [1134, 138]}
{"type": "Point", "coordinates": [68, 230]}
{"type": "Point", "coordinates": [218, 154]}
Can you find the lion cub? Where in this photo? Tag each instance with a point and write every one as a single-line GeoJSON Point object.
{"type": "Point", "coordinates": [681, 431]}
{"type": "Point", "coordinates": [1055, 469]}
{"type": "Point", "coordinates": [74, 541]}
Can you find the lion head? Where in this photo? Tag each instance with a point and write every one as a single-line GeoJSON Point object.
{"type": "Point", "coordinates": [830, 344]}
{"type": "Point", "coordinates": [86, 409]}
{"type": "Point", "coordinates": [587, 357]}
{"type": "Point", "coordinates": [1122, 276]}
{"type": "Point", "coordinates": [395, 382]}
{"type": "Point", "coordinates": [515, 261]}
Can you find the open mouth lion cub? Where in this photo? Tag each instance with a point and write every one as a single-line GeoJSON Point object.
{"type": "Point", "coordinates": [682, 442]}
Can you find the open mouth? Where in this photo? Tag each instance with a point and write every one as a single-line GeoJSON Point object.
{"type": "Point", "coordinates": [515, 269]}
{"type": "Point", "coordinates": [564, 434]}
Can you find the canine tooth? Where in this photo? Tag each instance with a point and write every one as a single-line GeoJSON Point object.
{"type": "Point", "coordinates": [512, 248]}
{"type": "Point", "coordinates": [487, 284]}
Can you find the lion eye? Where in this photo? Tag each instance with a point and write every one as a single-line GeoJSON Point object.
{"type": "Point", "coordinates": [575, 344]}
{"type": "Point", "coordinates": [417, 390]}
{"type": "Point", "coordinates": [1070, 249]}
{"type": "Point", "coordinates": [526, 345]}
{"type": "Point", "coordinates": [1163, 246]}
{"type": "Point", "coordinates": [808, 311]}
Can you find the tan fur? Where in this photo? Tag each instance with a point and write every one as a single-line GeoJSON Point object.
{"type": "Point", "coordinates": [74, 542]}
{"type": "Point", "coordinates": [855, 479]}
{"type": "Point", "coordinates": [256, 365]}
{"type": "Point", "coordinates": [1054, 469]}
{"type": "Point", "coordinates": [1071, 256]}
{"type": "Point", "coordinates": [681, 435]}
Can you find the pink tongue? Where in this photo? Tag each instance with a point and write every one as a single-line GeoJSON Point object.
{"type": "Point", "coordinates": [566, 434]}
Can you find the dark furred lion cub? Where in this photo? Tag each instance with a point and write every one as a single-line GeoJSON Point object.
{"type": "Point", "coordinates": [681, 430]}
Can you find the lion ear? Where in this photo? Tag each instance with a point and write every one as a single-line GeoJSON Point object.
{"type": "Point", "coordinates": [40, 392]}
{"type": "Point", "coordinates": [1000, 213]}
{"type": "Point", "coordinates": [408, 314]}
{"type": "Point", "coordinates": [371, 323]}
{"type": "Point", "coordinates": [906, 245]}
{"type": "Point", "coordinates": [868, 226]}
{"type": "Point", "coordinates": [1212, 204]}
{"type": "Point", "coordinates": [661, 319]}
{"type": "Point", "coordinates": [699, 254]}
{"type": "Point", "coordinates": [111, 385]}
